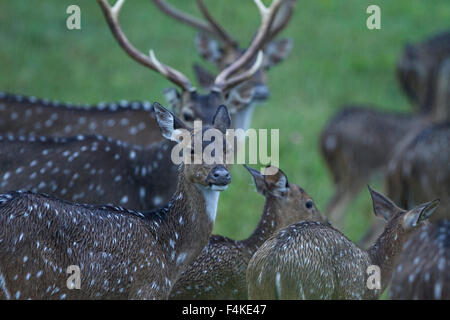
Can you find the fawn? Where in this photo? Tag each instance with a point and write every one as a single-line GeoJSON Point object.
{"type": "Point", "coordinates": [219, 271]}
{"type": "Point", "coordinates": [310, 260]}
{"type": "Point", "coordinates": [422, 269]}
{"type": "Point", "coordinates": [120, 254]}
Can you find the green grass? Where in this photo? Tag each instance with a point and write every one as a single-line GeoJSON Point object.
{"type": "Point", "coordinates": [335, 60]}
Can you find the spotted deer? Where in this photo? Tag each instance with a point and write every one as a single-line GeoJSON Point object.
{"type": "Point", "coordinates": [120, 254]}
{"type": "Point", "coordinates": [134, 122]}
{"type": "Point", "coordinates": [422, 270]}
{"type": "Point", "coordinates": [418, 70]}
{"type": "Point", "coordinates": [188, 103]}
{"type": "Point", "coordinates": [89, 169]}
{"type": "Point", "coordinates": [311, 260]}
{"type": "Point", "coordinates": [131, 122]}
{"type": "Point", "coordinates": [357, 143]}
{"type": "Point", "coordinates": [215, 45]}
{"type": "Point", "coordinates": [219, 271]}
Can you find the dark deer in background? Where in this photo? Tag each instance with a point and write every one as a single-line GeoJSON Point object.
{"type": "Point", "coordinates": [360, 141]}
{"type": "Point", "coordinates": [147, 174]}
{"type": "Point", "coordinates": [219, 271]}
{"type": "Point", "coordinates": [218, 47]}
{"type": "Point", "coordinates": [311, 260]}
{"type": "Point", "coordinates": [120, 254]}
{"type": "Point", "coordinates": [423, 267]}
{"type": "Point", "coordinates": [418, 70]}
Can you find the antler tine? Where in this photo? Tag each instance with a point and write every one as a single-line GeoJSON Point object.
{"type": "Point", "coordinates": [282, 19]}
{"type": "Point", "coordinates": [184, 17]}
{"type": "Point", "coordinates": [219, 30]}
{"type": "Point", "coordinates": [112, 17]}
{"type": "Point", "coordinates": [267, 17]}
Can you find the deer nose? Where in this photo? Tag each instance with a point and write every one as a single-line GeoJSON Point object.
{"type": "Point", "coordinates": [219, 176]}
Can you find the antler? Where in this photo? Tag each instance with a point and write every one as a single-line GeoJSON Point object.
{"type": "Point", "coordinates": [112, 17]}
{"type": "Point", "coordinates": [268, 14]}
{"type": "Point", "coordinates": [282, 19]}
{"type": "Point", "coordinates": [210, 26]}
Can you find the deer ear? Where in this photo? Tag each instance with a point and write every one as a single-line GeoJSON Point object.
{"type": "Point", "coordinates": [204, 77]}
{"type": "Point", "coordinates": [173, 98]}
{"type": "Point", "coordinates": [222, 120]}
{"type": "Point", "coordinates": [382, 205]}
{"type": "Point", "coordinates": [277, 184]}
{"type": "Point", "coordinates": [258, 179]}
{"type": "Point", "coordinates": [168, 123]}
{"type": "Point", "coordinates": [208, 48]}
{"type": "Point", "coordinates": [420, 213]}
{"type": "Point", "coordinates": [276, 51]}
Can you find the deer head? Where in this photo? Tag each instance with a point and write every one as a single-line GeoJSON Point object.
{"type": "Point", "coordinates": [291, 202]}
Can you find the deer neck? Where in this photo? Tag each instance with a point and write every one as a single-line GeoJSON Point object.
{"type": "Point", "coordinates": [267, 225]}
{"type": "Point", "coordinates": [385, 251]}
{"type": "Point", "coordinates": [185, 224]}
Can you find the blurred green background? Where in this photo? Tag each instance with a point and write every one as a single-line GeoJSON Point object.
{"type": "Point", "coordinates": [335, 60]}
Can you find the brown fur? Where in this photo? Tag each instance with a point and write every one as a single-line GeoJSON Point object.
{"type": "Point", "coordinates": [121, 254]}
{"type": "Point", "coordinates": [219, 271]}
{"type": "Point", "coordinates": [310, 260]}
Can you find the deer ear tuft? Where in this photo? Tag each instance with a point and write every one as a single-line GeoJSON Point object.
{"type": "Point", "coordinates": [258, 179]}
{"type": "Point", "coordinates": [222, 120]}
{"type": "Point", "coordinates": [382, 205]}
{"type": "Point", "coordinates": [420, 213]}
{"type": "Point", "coordinates": [168, 123]}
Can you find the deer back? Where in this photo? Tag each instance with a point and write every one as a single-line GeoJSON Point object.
{"type": "Point", "coordinates": [89, 169]}
{"type": "Point", "coordinates": [131, 122]}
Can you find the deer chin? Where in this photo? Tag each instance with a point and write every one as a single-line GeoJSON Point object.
{"type": "Point", "coordinates": [216, 187]}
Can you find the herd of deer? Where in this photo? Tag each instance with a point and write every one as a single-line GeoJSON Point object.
{"type": "Point", "coordinates": [77, 168]}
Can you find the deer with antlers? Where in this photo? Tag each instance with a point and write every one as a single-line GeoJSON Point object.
{"type": "Point", "coordinates": [151, 176]}
{"type": "Point", "coordinates": [218, 47]}
{"type": "Point", "coordinates": [120, 254]}
{"type": "Point", "coordinates": [219, 271]}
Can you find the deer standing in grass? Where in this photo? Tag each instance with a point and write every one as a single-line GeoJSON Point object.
{"type": "Point", "coordinates": [310, 260]}
{"type": "Point", "coordinates": [360, 141]}
{"type": "Point", "coordinates": [121, 254]}
{"type": "Point", "coordinates": [146, 174]}
{"type": "Point", "coordinates": [219, 271]}
{"type": "Point", "coordinates": [423, 267]}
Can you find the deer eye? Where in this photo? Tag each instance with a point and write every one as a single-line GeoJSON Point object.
{"type": "Point", "coordinates": [188, 116]}
{"type": "Point", "coordinates": [309, 204]}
